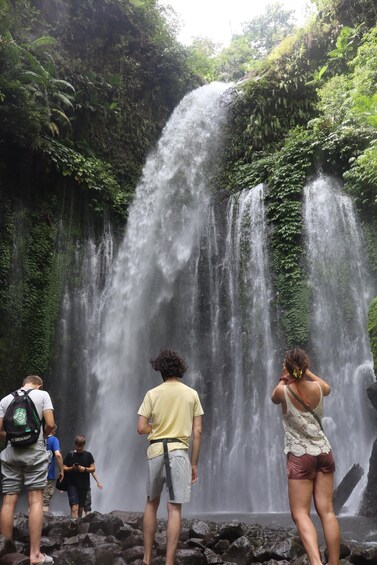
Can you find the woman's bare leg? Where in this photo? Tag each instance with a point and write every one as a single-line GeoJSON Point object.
{"type": "Point", "coordinates": [323, 500]}
{"type": "Point", "coordinates": [300, 494]}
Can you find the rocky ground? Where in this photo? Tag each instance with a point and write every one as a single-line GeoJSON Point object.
{"type": "Point", "coordinates": [116, 539]}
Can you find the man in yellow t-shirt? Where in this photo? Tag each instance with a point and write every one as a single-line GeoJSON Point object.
{"type": "Point", "coordinates": [170, 414]}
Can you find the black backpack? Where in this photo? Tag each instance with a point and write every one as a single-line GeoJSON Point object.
{"type": "Point", "coordinates": [21, 420]}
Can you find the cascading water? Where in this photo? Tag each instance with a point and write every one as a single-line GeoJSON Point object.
{"type": "Point", "coordinates": [341, 292]}
{"type": "Point", "coordinates": [78, 332]}
{"type": "Point", "coordinates": [165, 224]}
{"type": "Point", "coordinates": [193, 273]}
{"type": "Point", "coordinates": [245, 431]}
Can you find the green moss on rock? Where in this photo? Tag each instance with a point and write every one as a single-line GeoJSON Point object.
{"type": "Point", "coordinates": [372, 330]}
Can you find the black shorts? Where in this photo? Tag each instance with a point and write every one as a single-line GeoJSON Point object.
{"type": "Point", "coordinates": [76, 495]}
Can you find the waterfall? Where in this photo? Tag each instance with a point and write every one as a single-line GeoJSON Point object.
{"type": "Point", "coordinates": [193, 273]}
{"type": "Point", "coordinates": [78, 331]}
{"type": "Point", "coordinates": [143, 308]}
{"type": "Point", "coordinates": [245, 431]}
{"type": "Point", "coordinates": [341, 290]}
{"type": "Point", "coordinates": [215, 308]}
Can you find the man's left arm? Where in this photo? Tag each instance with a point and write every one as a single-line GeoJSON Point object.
{"type": "Point", "coordinates": [3, 434]}
{"type": "Point", "coordinates": [196, 441]}
{"type": "Point", "coordinates": [59, 460]}
{"type": "Point", "coordinates": [90, 469]}
{"type": "Point", "coordinates": [143, 426]}
{"type": "Point", "coordinates": [49, 422]}
{"type": "Point", "coordinates": [99, 485]}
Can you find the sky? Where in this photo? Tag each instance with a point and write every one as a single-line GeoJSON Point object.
{"type": "Point", "coordinates": [219, 19]}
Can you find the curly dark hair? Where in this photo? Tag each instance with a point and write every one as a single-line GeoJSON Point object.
{"type": "Point", "coordinates": [169, 363]}
{"type": "Point", "coordinates": [296, 362]}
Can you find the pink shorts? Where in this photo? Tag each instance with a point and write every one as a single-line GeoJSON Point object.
{"type": "Point", "coordinates": [307, 466]}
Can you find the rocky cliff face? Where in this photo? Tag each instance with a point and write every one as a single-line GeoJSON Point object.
{"type": "Point", "coordinates": [369, 503]}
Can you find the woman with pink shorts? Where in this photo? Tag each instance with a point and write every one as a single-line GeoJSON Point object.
{"type": "Point", "coordinates": [310, 462]}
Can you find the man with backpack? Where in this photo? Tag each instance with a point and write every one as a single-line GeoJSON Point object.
{"type": "Point", "coordinates": [24, 461]}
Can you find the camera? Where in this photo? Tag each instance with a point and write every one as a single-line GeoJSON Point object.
{"type": "Point", "coordinates": [75, 465]}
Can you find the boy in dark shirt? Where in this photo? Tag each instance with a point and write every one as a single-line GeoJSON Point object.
{"type": "Point", "coordinates": [78, 465]}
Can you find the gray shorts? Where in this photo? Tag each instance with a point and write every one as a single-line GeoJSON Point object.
{"type": "Point", "coordinates": [24, 466]}
{"type": "Point", "coordinates": [180, 475]}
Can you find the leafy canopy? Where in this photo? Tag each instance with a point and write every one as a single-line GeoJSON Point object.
{"type": "Point", "coordinates": [258, 38]}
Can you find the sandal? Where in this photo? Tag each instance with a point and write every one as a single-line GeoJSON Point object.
{"type": "Point", "coordinates": [46, 559]}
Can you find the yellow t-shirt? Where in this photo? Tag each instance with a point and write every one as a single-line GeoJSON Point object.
{"type": "Point", "coordinates": [171, 408]}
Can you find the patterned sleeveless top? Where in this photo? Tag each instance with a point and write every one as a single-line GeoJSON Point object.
{"type": "Point", "coordinates": [303, 433]}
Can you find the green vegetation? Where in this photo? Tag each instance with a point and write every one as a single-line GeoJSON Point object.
{"type": "Point", "coordinates": [88, 172]}
{"type": "Point", "coordinates": [104, 89]}
{"type": "Point", "coordinates": [245, 52]}
{"type": "Point", "coordinates": [32, 278]}
{"type": "Point", "coordinates": [372, 329]}
{"type": "Point", "coordinates": [286, 180]}
{"type": "Point", "coordinates": [86, 87]}
{"type": "Point", "coordinates": [309, 103]}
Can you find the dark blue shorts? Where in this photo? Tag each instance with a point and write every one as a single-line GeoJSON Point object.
{"type": "Point", "coordinates": [76, 495]}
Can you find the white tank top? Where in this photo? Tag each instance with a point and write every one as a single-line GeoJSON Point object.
{"type": "Point", "coordinates": [303, 433]}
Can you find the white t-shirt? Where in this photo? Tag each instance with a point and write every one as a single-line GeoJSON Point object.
{"type": "Point", "coordinates": [42, 401]}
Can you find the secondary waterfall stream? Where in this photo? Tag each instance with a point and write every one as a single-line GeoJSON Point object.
{"type": "Point", "coordinates": [78, 332]}
{"type": "Point", "coordinates": [341, 292]}
{"type": "Point", "coordinates": [193, 273]}
{"type": "Point", "coordinates": [244, 365]}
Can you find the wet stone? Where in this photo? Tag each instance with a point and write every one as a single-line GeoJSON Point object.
{"type": "Point", "coordinates": [199, 529]}
{"type": "Point", "coordinates": [14, 559]}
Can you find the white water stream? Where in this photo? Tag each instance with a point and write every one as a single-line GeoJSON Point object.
{"type": "Point", "coordinates": [144, 310]}
{"type": "Point", "coordinates": [341, 291]}
{"type": "Point", "coordinates": [193, 273]}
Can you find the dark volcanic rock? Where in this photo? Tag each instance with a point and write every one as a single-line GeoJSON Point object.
{"type": "Point", "coordinates": [240, 551]}
{"type": "Point", "coordinates": [105, 539]}
{"type": "Point", "coordinates": [232, 531]}
{"type": "Point", "coordinates": [14, 559]}
{"type": "Point", "coordinates": [212, 557]}
{"type": "Point", "coordinates": [372, 394]}
{"type": "Point", "coordinates": [6, 546]}
{"type": "Point", "coordinates": [133, 553]}
{"type": "Point", "coordinates": [364, 554]}
{"type": "Point", "coordinates": [191, 557]}
{"type": "Point", "coordinates": [133, 519]}
{"type": "Point", "coordinates": [110, 524]}
{"type": "Point", "coordinates": [222, 545]}
{"type": "Point", "coordinates": [369, 504]}
{"type": "Point", "coordinates": [199, 529]}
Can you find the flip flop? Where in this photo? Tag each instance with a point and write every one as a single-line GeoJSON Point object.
{"type": "Point", "coordinates": [46, 559]}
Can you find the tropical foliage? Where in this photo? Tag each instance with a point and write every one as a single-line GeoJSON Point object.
{"type": "Point", "coordinates": [258, 38]}
{"type": "Point", "coordinates": [86, 87]}
{"type": "Point", "coordinates": [99, 76]}
{"type": "Point", "coordinates": [309, 104]}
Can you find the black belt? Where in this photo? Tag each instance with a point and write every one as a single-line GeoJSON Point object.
{"type": "Point", "coordinates": [165, 442]}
